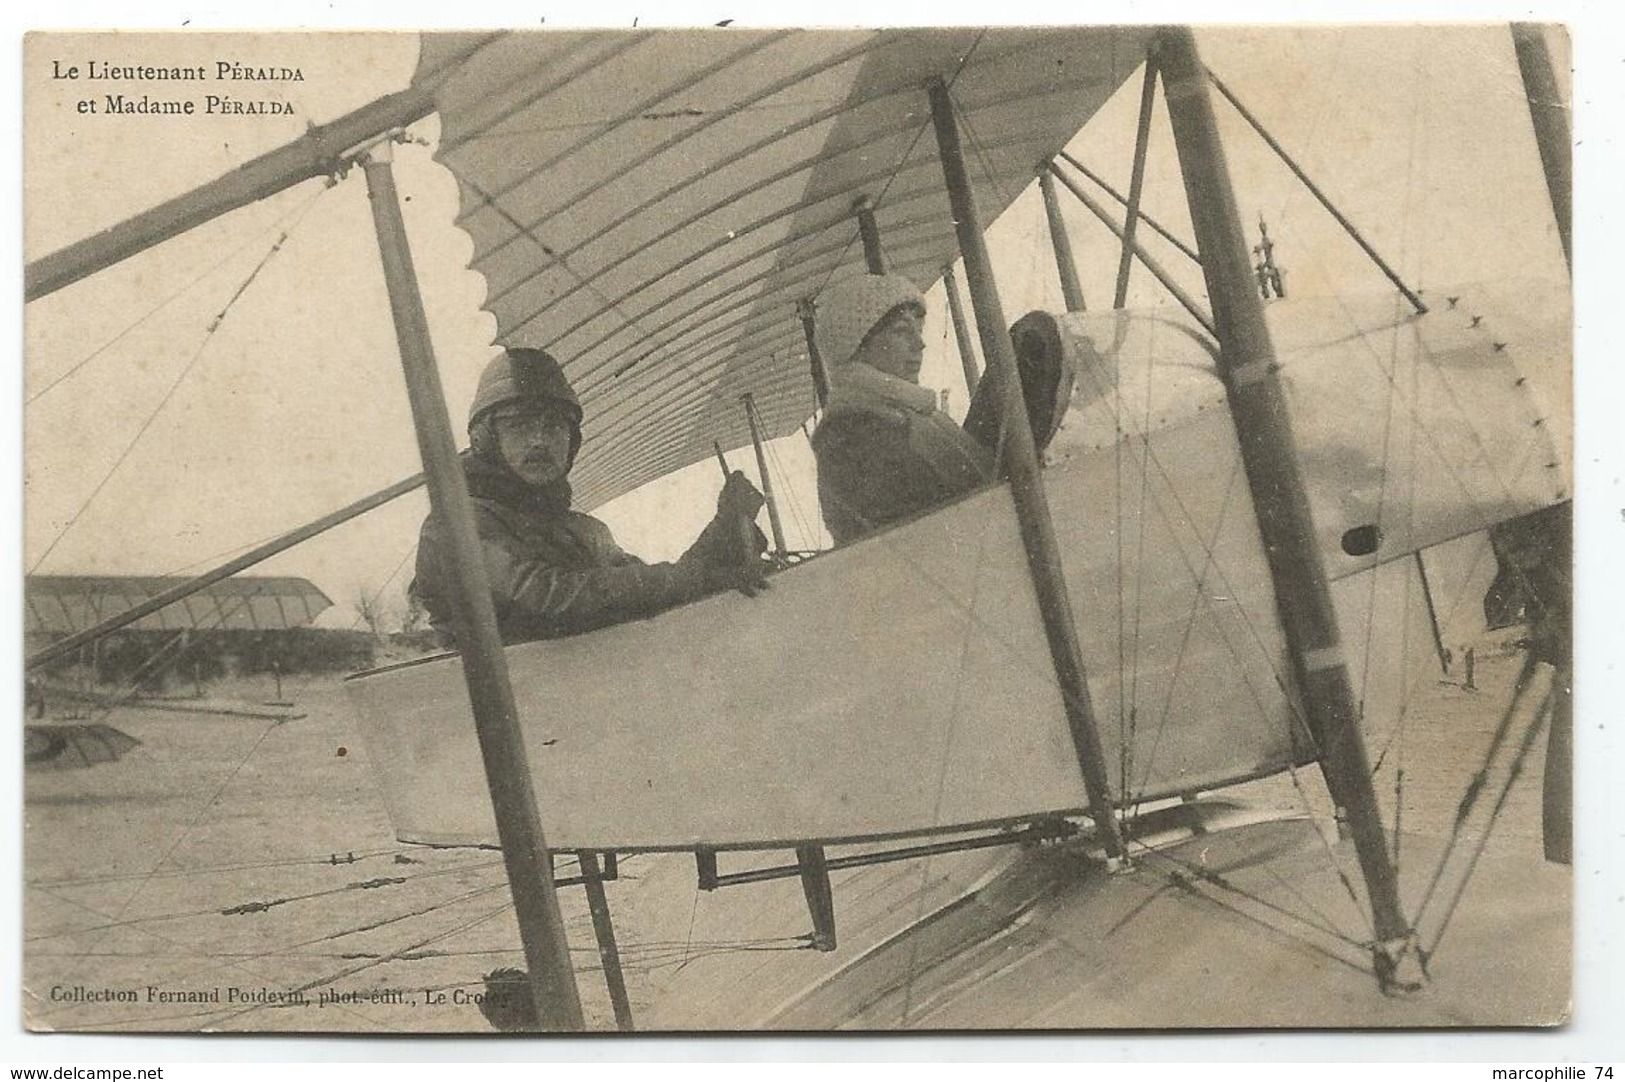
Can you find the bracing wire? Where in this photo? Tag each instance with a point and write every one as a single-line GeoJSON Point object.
{"type": "Point", "coordinates": [263, 905]}
{"type": "Point", "coordinates": [314, 860]}
{"type": "Point", "coordinates": [208, 337]}
{"type": "Point", "coordinates": [1318, 921]}
{"type": "Point", "coordinates": [1139, 550]}
{"type": "Point", "coordinates": [986, 162]}
{"type": "Point", "coordinates": [187, 828]}
{"type": "Point", "coordinates": [955, 715]}
{"type": "Point", "coordinates": [1188, 879]}
{"type": "Point", "coordinates": [361, 967]}
{"type": "Point", "coordinates": [1214, 565]}
{"type": "Point", "coordinates": [790, 498]}
{"type": "Point", "coordinates": [919, 133]}
{"type": "Point", "coordinates": [297, 213]}
{"type": "Point", "coordinates": [1536, 726]}
{"type": "Point", "coordinates": [1125, 694]}
{"type": "Point", "coordinates": [1385, 464]}
{"type": "Point", "coordinates": [1481, 778]}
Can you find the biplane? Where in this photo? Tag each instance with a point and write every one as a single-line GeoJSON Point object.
{"type": "Point", "coordinates": [975, 764]}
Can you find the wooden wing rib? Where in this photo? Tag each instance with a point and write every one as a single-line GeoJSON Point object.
{"type": "Point", "coordinates": [651, 206]}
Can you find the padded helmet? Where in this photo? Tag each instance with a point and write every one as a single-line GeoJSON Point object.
{"type": "Point", "coordinates": [527, 376]}
{"type": "Point", "coordinates": [849, 310]}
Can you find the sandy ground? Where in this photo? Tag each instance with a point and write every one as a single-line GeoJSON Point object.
{"type": "Point", "coordinates": [240, 874]}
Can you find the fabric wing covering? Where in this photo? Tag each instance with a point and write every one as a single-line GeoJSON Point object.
{"type": "Point", "coordinates": [651, 206]}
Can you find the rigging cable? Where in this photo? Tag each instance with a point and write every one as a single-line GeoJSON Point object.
{"type": "Point", "coordinates": [955, 715]}
{"type": "Point", "coordinates": [1187, 878]}
{"type": "Point", "coordinates": [1144, 481]}
{"type": "Point", "coordinates": [350, 971]}
{"type": "Point", "coordinates": [186, 831]}
{"type": "Point", "coordinates": [1480, 779]}
{"type": "Point", "coordinates": [809, 535]}
{"type": "Point", "coordinates": [256, 906]}
{"type": "Point", "coordinates": [1536, 726]}
{"type": "Point", "coordinates": [919, 133]}
{"type": "Point", "coordinates": [1209, 550]}
{"type": "Point", "coordinates": [208, 336]}
{"type": "Point", "coordinates": [210, 869]}
{"type": "Point", "coordinates": [297, 213]}
{"type": "Point", "coordinates": [1418, 147]}
{"type": "Point", "coordinates": [1385, 467]}
{"type": "Point", "coordinates": [1320, 922]}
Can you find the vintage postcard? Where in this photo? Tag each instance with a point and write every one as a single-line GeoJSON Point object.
{"type": "Point", "coordinates": [736, 529]}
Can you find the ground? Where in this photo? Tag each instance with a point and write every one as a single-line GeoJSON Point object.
{"type": "Point", "coordinates": [238, 873]}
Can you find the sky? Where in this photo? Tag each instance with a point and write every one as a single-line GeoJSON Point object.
{"type": "Point", "coordinates": [174, 415]}
{"type": "Point", "coordinates": [319, 366]}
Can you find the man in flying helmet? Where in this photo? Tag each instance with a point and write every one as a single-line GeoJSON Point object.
{"type": "Point", "coordinates": [555, 571]}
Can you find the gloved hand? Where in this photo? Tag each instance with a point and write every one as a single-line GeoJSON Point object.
{"type": "Point", "coordinates": [739, 497]}
{"type": "Point", "coordinates": [731, 547]}
{"type": "Point", "coordinates": [748, 579]}
{"type": "Point", "coordinates": [731, 538]}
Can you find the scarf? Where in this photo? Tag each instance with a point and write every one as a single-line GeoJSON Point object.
{"type": "Point", "coordinates": [490, 480]}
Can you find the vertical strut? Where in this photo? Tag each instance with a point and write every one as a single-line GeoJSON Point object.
{"type": "Point", "coordinates": [962, 335]}
{"type": "Point", "coordinates": [1551, 120]}
{"type": "Point", "coordinates": [603, 927]}
{"type": "Point", "coordinates": [1185, 300]}
{"type": "Point", "coordinates": [870, 232]}
{"type": "Point", "coordinates": [815, 362]}
{"type": "Point", "coordinates": [485, 668]}
{"type": "Point", "coordinates": [1136, 184]}
{"type": "Point", "coordinates": [1065, 265]}
{"type": "Point", "coordinates": [1032, 509]}
{"type": "Point", "coordinates": [767, 481]}
{"type": "Point", "coordinates": [820, 898]}
{"type": "Point", "coordinates": [1122, 200]}
{"type": "Point", "coordinates": [1269, 457]}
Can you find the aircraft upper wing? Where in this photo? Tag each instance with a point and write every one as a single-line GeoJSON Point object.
{"type": "Point", "coordinates": [652, 206]}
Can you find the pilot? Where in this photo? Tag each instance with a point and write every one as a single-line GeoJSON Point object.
{"type": "Point", "coordinates": [885, 450]}
{"type": "Point", "coordinates": [553, 570]}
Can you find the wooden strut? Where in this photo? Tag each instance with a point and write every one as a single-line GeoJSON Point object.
{"type": "Point", "coordinates": [815, 360]}
{"type": "Point", "coordinates": [1549, 115]}
{"type": "Point", "coordinates": [1186, 301]}
{"type": "Point", "coordinates": [709, 878]}
{"type": "Point", "coordinates": [1065, 266]}
{"type": "Point", "coordinates": [1136, 185]}
{"type": "Point", "coordinates": [1027, 487]}
{"type": "Point", "coordinates": [1281, 504]}
{"type": "Point", "coordinates": [1122, 201]}
{"type": "Point", "coordinates": [962, 335]}
{"type": "Point", "coordinates": [603, 928]}
{"type": "Point", "coordinates": [485, 671]}
{"type": "Point", "coordinates": [248, 559]}
{"type": "Point", "coordinates": [779, 547]}
{"type": "Point", "coordinates": [870, 232]}
{"type": "Point", "coordinates": [1303, 178]}
{"type": "Point", "coordinates": [1551, 120]}
{"type": "Point", "coordinates": [820, 898]}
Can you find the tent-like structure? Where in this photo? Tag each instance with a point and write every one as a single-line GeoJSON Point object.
{"type": "Point", "coordinates": [65, 604]}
